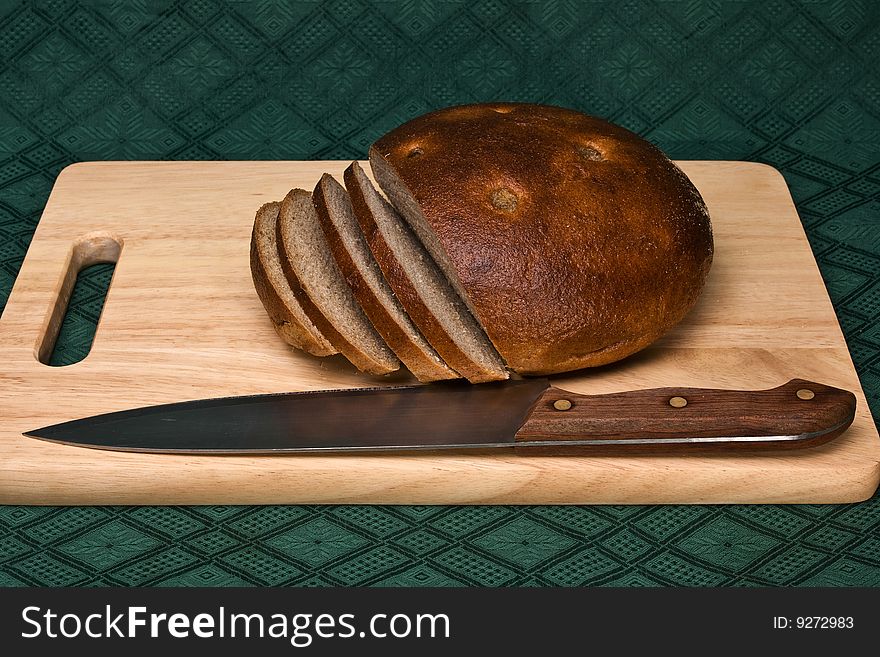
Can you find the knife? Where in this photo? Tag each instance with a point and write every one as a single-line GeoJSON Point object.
{"type": "Point", "coordinates": [529, 415]}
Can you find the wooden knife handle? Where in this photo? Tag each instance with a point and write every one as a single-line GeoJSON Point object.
{"type": "Point", "coordinates": [795, 415]}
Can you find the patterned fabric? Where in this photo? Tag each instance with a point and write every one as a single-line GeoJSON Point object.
{"type": "Point", "coordinates": [792, 84]}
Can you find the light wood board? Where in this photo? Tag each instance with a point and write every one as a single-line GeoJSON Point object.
{"type": "Point", "coordinates": [182, 321]}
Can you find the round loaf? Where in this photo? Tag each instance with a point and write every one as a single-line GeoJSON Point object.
{"type": "Point", "coordinates": [573, 241]}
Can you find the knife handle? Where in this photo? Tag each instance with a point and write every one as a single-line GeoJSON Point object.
{"type": "Point", "coordinates": [795, 415]}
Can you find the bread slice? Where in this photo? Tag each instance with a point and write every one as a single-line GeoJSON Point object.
{"type": "Point", "coordinates": [420, 286]}
{"type": "Point", "coordinates": [321, 289]}
{"type": "Point", "coordinates": [288, 317]}
{"type": "Point", "coordinates": [356, 262]}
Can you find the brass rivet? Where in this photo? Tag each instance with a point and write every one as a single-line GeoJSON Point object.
{"type": "Point", "coordinates": [678, 402]}
{"type": "Point", "coordinates": [805, 394]}
{"type": "Point", "coordinates": [562, 404]}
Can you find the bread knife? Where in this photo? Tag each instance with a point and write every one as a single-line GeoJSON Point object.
{"type": "Point", "coordinates": [528, 415]}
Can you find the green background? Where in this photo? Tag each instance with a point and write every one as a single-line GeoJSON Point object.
{"type": "Point", "coordinates": [791, 84]}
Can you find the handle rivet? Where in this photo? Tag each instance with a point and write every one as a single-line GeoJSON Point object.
{"type": "Point", "coordinates": [562, 404]}
{"type": "Point", "coordinates": [805, 394]}
{"type": "Point", "coordinates": [678, 402]}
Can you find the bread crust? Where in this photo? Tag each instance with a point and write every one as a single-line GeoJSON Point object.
{"type": "Point", "coordinates": [409, 297]}
{"type": "Point", "coordinates": [358, 358]}
{"type": "Point", "coordinates": [574, 241]}
{"type": "Point", "coordinates": [423, 367]}
{"type": "Point", "coordinates": [286, 325]}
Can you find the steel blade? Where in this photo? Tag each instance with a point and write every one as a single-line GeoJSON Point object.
{"type": "Point", "coordinates": [438, 416]}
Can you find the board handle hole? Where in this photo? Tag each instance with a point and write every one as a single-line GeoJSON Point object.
{"type": "Point", "coordinates": [67, 337]}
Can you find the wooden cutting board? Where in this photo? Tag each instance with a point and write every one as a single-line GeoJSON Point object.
{"type": "Point", "coordinates": [182, 321]}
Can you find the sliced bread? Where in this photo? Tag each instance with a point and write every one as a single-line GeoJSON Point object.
{"type": "Point", "coordinates": [288, 317]}
{"type": "Point", "coordinates": [321, 289]}
{"type": "Point", "coordinates": [420, 286]}
{"type": "Point", "coordinates": [356, 262]}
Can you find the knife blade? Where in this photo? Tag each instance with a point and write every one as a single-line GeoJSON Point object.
{"type": "Point", "coordinates": [529, 415]}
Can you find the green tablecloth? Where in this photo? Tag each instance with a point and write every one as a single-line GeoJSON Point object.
{"type": "Point", "coordinates": [791, 84]}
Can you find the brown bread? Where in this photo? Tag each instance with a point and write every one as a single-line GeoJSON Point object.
{"type": "Point", "coordinates": [573, 241]}
{"type": "Point", "coordinates": [321, 289]}
{"type": "Point", "coordinates": [288, 317]}
{"type": "Point", "coordinates": [420, 286]}
{"type": "Point", "coordinates": [352, 254]}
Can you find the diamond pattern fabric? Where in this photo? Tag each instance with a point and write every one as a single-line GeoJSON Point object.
{"type": "Point", "coordinates": [791, 84]}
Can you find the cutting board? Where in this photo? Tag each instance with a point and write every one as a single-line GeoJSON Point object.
{"type": "Point", "coordinates": [182, 321]}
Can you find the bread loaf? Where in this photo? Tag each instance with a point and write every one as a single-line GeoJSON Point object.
{"type": "Point", "coordinates": [518, 237]}
{"type": "Point", "coordinates": [573, 241]}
